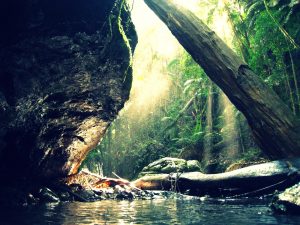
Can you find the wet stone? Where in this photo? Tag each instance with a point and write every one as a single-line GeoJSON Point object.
{"type": "Point", "coordinates": [89, 195]}
{"type": "Point", "coordinates": [287, 202]}
{"type": "Point", "coordinates": [47, 195]}
{"type": "Point", "coordinates": [31, 199]}
{"type": "Point", "coordinates": [65, 196]}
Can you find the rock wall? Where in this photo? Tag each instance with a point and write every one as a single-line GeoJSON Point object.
{"type": "Point", "coordinates": [65, 72]}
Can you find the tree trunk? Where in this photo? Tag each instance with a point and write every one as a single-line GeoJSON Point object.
{"type": "Point", "coordinates": [274, 126]}
{"type": "Point", "coordinates": [253, 180]}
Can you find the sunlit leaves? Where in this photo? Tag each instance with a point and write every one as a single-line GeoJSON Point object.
{"type": "Point", "coordinates": [166, 118]}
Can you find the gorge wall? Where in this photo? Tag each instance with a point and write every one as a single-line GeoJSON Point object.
{"type": "Point", "coordinates": [65, 72]}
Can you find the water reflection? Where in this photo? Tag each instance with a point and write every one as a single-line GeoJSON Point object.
{"type": "Point", "coordinates": [158, 211]}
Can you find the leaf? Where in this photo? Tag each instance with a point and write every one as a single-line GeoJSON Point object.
{"type": "Point", "coordinates": [186, 89]}
{"type": "Point", "coordinates": [166, 118]}
{"type": "Point", "coordinates": [188, 82]}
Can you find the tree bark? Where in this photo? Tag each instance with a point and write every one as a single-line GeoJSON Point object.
{"type": "Point", "coordinates": [274, 126]}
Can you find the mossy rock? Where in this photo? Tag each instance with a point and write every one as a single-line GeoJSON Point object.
{"type": "Point", "coordinates": [193, 165]}
{"type": "Point", "coordinates": [170, 165]}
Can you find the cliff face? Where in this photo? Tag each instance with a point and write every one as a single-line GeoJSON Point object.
{"type": "Point", "coordinates": [65, 72]}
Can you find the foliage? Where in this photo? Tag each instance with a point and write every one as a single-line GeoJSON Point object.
{"type": "Point", "coordinates": [273, 35]}
{"type": "Point", "coordinates": [194, 120]}
{"type": "Point", "coordinates": [251, 154]}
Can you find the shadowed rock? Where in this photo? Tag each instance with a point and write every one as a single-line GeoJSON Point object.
{"type": "Point", "coordinates": [288, 202]}
{"type": "Point", "coordinates": [65, 72]}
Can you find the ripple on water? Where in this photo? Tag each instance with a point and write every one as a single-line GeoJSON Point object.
{"type": "Point", "coordinates": [156, 211]}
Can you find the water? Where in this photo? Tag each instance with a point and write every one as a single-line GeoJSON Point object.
{"type": "Point", "coordinates": [157, 211]}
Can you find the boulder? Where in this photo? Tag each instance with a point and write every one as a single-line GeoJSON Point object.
{"type": "Point", "coordinates": [65, 72]}
{"type": "Point", "coordinates": [193, 165]}
{"type": "Point", "coordinates": [46, 195]}
{"type": "Point", "coordinates": [287, 202]}
{"type": "Point", "coordinates": [170, 165]}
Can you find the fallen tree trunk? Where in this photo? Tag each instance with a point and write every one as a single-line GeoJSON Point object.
{"type": "Point", "coordinates": [274, 126]}
{"type": "Point", "coordinates": [249, 181]}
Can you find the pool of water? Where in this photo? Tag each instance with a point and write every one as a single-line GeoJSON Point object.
{"type": "Point", "coordinates": [156, 211]}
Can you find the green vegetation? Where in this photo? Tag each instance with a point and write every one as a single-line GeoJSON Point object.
{"type": "Point", "coordinates": [195, 120]}
{"type": "Point", "coordinates": [269, 32]}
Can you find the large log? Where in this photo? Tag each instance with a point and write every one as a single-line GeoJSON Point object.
{"type": "Point", "coordinates": [274, 126]}
{"type": "Point", "coordinates": [249, 181]}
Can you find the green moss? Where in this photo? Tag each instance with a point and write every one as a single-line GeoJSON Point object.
{"type": "Point", "coordinates": [128, 72]}
{"type": "Point", "coordinates": [119, 42]}
{"type": "Point", "coordinates": [123, 6]}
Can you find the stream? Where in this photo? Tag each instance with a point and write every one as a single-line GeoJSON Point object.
{"type": "Point", "coordinates": [155, 211]}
